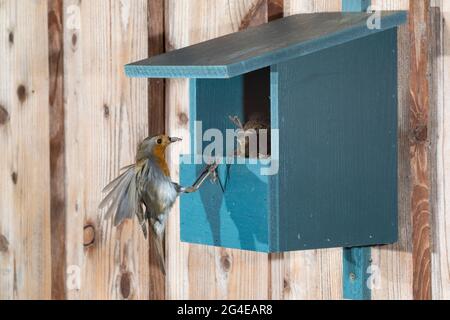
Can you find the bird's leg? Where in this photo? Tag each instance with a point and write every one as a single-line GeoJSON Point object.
{"type": "Point", "coordinates": [210, 170]}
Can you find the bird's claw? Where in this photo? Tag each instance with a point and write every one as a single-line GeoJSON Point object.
{"type": "Point", "coordinates": [209, 171]}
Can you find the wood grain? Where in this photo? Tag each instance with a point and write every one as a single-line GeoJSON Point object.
{"type": "Point", "coordinates": [309, 6]}
{"type": "Point", "coordinates": [314, 274]}
{"type": "Point", "coordinates": [394, 263]}
{"type": "Point", "coordinates": [25, 257]}
{"type": "Point", "coordinates": [57, 148]}
{"type": "Point", "coordinates": [195, 271]}
{"type": "Point", "coordinates": [391, 4]}
{"type": "Point", "coordinates": [106, 117]}
{"type": "Point", "coordinates": [419, 28]}
{"type": "Point", "coordinates": [156, 45]}
{"type": "Point", "coordinates": [156, 122]}
{"type": "Point", "coordinates": [440, 118]}
{"type": "Point", "coordinates": [177, 107]}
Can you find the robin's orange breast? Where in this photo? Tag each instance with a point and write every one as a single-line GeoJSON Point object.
{"type": "Point", "coordinates": [160, 158]}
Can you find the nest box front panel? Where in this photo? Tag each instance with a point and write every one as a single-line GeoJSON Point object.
{"type": "Point", "coordinates": [236, 212]}
{"type": "Point", "coordinates": [338, 145]}
{"type": "Point", "coordinates": [232, 215]}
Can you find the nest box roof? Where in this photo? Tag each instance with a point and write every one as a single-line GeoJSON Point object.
{"type": "Point", "coordinates": [261, 46]}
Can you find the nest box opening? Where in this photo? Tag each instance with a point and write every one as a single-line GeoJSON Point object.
{"type": "Point", "coordinates": [240, 105]}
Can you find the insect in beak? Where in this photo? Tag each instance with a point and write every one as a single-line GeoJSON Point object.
{"type": "Point", "coordinates": [174, 139]}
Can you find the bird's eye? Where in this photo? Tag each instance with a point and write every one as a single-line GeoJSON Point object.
{"type": "Point", "coordinates": [159, 141]}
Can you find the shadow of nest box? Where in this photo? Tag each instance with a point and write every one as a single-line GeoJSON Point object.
{"type": "Point", "coordinates": [328, 85]}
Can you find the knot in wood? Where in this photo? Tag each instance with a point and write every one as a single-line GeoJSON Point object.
{"type": "Point", "coordinates": [88, 235]}
{"type": "Point", "coordinates": [286, 285]}
{"type": "Point", "coordinates": [4, 115]}
{"type": "Point", "coordinates": [183, 119]}
{"type": "Point", "coordinates": [106, 111]}
{"type": "Point", "coordinates": [225, 262]}
{"type": "Point", "coordinates": [22, 93]}
{"type": "Point", "coordinates": [14, 177]}
{"type": "Point", "coordinates": [125, 284]}
{"type": "Point", "coordinates": [420, 133]}
{"type": "Point", "coordinates": [4, 244]}
{"type": "Point", "coordinates": [11, 38]}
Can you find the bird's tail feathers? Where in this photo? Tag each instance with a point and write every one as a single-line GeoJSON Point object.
{"type": "Point", "coordinates": [158, 241]}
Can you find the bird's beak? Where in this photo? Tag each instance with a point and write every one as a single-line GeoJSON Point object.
{"type": "Point", "coordinates": [174, 139]}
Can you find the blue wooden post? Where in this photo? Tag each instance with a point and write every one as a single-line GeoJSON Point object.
{"type": "Point", "coordinates": [355, 5]}
{"type": "Point", "coordinates": [356, 260]}
{"type": "Point", "coordinates": [355, 276]}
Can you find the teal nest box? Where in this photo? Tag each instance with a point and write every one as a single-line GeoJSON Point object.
{"type": "Point", "coordinates": [328, 84]}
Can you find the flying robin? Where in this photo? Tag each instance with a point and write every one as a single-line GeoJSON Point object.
{"type": "Point", "coordinates": [147, 183]}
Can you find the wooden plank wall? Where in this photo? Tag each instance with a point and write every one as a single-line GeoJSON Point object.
{"type": "Point", "coordinates": [69, 119]}
{"type": "Point", "coordinates": [419, 86]}
{"type": "Point", "coordinates": [57, 147]}
{"type": "Point", "coordinates": [440, 121]}
{"type": "Point", "coordinates": [25, 257]}
{"type": "Point", "coordinates": [105, 118]}
{"type": "Point", "coordinates": [156, 122]}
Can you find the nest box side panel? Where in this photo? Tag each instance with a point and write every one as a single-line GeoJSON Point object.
{"type": "Point", "coordinates": [234, 218]}
{"type": "Point", "coordinates": [338, 145]}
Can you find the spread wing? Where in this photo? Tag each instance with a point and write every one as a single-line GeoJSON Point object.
{"type": "Point", "coordinates": [122, 200]}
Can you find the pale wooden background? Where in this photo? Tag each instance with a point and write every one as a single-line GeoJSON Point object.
{"type": "Point", "coordinates": [69, 119]}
